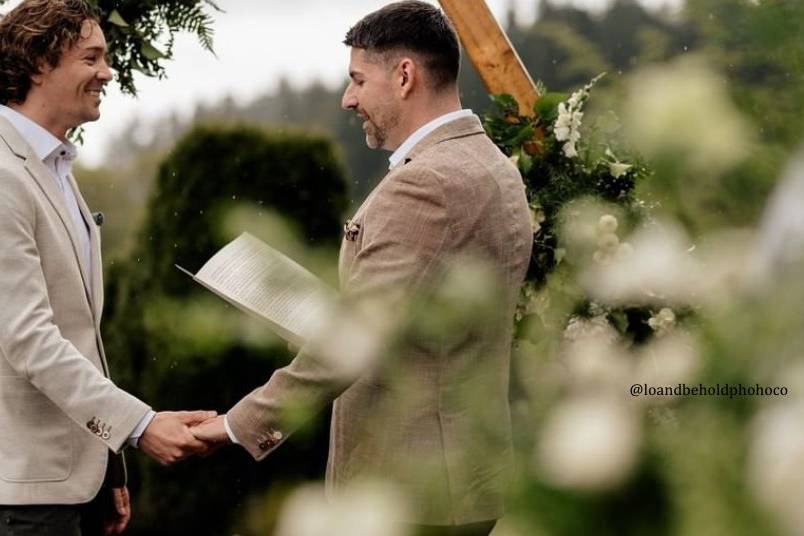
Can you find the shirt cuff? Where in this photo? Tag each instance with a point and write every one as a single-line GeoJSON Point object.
{"type": "Point", "coordinates": [229, 430]}
{"type": "Point", "coordinates": [134, 438]}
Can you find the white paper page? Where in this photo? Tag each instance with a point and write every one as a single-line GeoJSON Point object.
{"type": "Point", "coordinates": [254, 276]}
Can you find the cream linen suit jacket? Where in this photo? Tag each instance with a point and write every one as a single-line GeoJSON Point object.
{"type": "Point", "coordinates": [409, 419]}
{"type": "Point", "coordinates": [59, 412]}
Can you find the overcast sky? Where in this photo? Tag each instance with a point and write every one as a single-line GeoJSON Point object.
{"type": "Point", "coordinates": [257, 42]}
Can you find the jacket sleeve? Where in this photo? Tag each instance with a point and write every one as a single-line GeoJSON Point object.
{"type": "Point", "coordinates": [32, 343]}
{"type": "Point", "coordinates": [405, 227]}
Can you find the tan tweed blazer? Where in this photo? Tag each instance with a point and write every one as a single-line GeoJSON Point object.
{"type": "Point", "coordinates": [59, 412]}
{"type": "Point", "coordinates": [433, 415]}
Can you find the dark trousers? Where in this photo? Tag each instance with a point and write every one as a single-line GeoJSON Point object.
{"type": "Point", "coordinates": [56, 519]}
{"type": "Point", "coordinates": [475, 529]}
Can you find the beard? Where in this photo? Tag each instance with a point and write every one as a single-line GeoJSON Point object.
{"type": "Point", "coordinates": [376, 127]}
{"type": "Point", "coordinates": [375, 136]}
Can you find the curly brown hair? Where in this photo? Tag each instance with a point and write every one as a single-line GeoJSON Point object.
{"type": "Point", "coordinates": [35, 33]}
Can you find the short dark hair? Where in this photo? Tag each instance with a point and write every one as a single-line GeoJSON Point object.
{"type": "Point", "coordinates": [34, 32]}
{"type": "Point", "coordinates": [414, 26]}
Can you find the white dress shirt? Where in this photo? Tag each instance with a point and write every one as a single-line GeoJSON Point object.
{"type": "Point", "coordinates": [58, 157]}
{"type": "Point", "coordinates": [403, 150]}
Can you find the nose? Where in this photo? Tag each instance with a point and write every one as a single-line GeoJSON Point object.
{"type": "Point", "coordinates": [349, 101]}
{"type": "Point", "coordinates": [104, 72]}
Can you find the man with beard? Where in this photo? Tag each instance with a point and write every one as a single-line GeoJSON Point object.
{"type": "Point", "coordinates": [63, 422]}
{"type": "Point", "coordinates": [431, 415]}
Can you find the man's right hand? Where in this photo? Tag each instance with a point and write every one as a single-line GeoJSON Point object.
{"type": "Point", "coordinates": [168, 439]}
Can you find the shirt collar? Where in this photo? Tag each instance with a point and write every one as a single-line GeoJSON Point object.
{"type": "Point", "coordinates": [43, 143]}
{"type": "Point", "coordinates": [403, 150]}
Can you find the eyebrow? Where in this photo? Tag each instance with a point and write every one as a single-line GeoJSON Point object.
{"type": "Point", "coordinates": [100, 49]}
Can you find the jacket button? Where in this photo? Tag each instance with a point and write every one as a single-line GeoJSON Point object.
{"type": "Point", "coordinates": [277, 435]}
{"type": "Point", "coordinates": [263, 445]}
{"type": "Point", "coordinates": [106, 435]}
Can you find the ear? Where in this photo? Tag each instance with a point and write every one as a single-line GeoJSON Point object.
{"type": "Point", "coordinates": [42, 69]}
{"type": "Point", "coordinates": [407, 76]}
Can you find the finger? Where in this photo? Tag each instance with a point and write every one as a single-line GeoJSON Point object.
{"type": "Point", "coordinates": [195, 417]}
{"type": "Point", "coordinates": [119, 501]}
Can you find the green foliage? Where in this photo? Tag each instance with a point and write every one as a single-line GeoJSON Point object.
{"type": "Point", "coordinates": [176, 346]}
{"type": "Point", "coordinates": [552, 179]}
{"type": "Point", "coordinates": [140, 34]}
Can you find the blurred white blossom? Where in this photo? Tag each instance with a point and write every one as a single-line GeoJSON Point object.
{"type": "Point", "coordinates": [368, 509]}
{"type": "Point", "coordinates": [683, 108]}
{"type": "Point", "coordinates": [589, 444]}
{"type": "Point", "coordinates": [776, 462]}
{"type": "Point", "coordinates": [668, 361]}
{"type": "Point", "coordinates": [607, 224]}
{"type": "Point", "coordinates": [657, 268]}
{"type": "Point", "coordinates": [663, 322]}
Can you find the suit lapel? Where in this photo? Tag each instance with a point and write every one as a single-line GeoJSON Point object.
{"type": "Point", "coordinates": [95, 250]}
{"type": "Point", "coordinates": [47, 183]}
{"type": "Point", "coordinates": [459, 128]}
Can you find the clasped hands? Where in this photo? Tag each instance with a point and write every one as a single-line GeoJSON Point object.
{"type": "Point", "coordinates": [174, 435]}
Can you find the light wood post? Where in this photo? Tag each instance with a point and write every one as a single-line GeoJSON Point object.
{"type": "Point", "coordinates": [491, 52]}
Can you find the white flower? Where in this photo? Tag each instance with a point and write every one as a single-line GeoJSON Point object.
{"type": "Point", "coordinates": [608, 243]}
{"type": "Point", "coordinates": [776, 462]}
{"type": "Point", "coordinates": [366, 509]}
{"type": "Point", "coordinates": [625, 251]}
{"type": "Point", "coordinates": [569, 150]}
{"type": "Point", "coordinates": [684, 109]}
{"type": "Point", "coordinates": [663, 322]}
{"type": "Point", "coordinates": [607, 224]}
{"type": "Point", "coordinates": [589, 444]}
{"type": "Point", "coordinates": [568, 124]}
{"type": "Point", "coordinates": [668, 361]}
{"type": "Point", "coordinates": [657, 268]}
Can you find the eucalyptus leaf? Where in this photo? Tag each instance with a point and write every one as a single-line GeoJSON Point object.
{"type": "Point", "coordinates": [151, 52]}
{"type": "Point", "coordinates": [117, 19]}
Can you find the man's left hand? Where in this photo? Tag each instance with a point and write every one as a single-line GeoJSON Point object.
{"type": "Point", "coordinates": [120, 515]}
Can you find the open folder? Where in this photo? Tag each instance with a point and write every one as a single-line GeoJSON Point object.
{"type": "Point", "coordinates": [253, 276]}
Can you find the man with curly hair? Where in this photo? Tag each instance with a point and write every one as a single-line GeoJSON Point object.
{"type": "Point", "coordinates": [63, 422]}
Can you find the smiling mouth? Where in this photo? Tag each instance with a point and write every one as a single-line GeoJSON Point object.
{"type": "Point", "coordinates": [95, 92]}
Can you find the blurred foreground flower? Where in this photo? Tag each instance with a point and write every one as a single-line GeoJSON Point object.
{"type": "Point", "coordinates": [668, 361]}
{"type": "Point", "coordinates": [368, 509]}
{"type": "Point", "coordinates": [776, 462]}
{"type": "Point", "coordinates": [589, 444]}
{"type": "Point", "coordinates": [683, 109]}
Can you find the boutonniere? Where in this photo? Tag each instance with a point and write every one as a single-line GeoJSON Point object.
{"type": "Point", "coordinates": [350, 230]}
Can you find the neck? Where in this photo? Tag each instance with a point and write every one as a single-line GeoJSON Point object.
{"type": "Point", "coordinates": [38, 112]}
{"type": "Point", "coordinates": [421, 113]}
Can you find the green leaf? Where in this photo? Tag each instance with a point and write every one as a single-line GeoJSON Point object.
{"type": "Point", "coordinates": [547, 106]}
{"type": "Point", "coordinates": [117, 19]}
{"type": "Point", "coordinates": [506, 103]}
{"type": "Point", "coordinates": [525, 162]}
{"type": "Point", "coordinates": [151, 52]}
{"type": "Point", "coordinates": [620, 320]}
